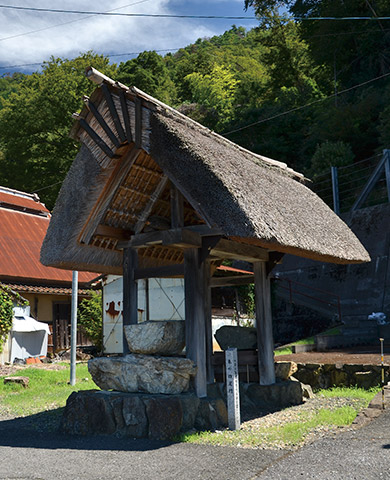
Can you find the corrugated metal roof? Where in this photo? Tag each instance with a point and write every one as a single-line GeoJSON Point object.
{"type": "Point", "coordinates": [21, 237]}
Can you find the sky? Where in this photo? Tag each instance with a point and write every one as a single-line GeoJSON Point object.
{"type": "Point", "coordinates": [33, 37]}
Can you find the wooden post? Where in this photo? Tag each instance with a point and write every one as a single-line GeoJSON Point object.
{"type": "Point", "coordinates": [208, 323]}
{"type": "Point", "coordinates": [265, 342]}
{"type": "Point", "coordinates": [130, 291]}
{"type": "Point", "coordinates": [386, 153]}
{"type": "Point", "coordinates": [194, 279]}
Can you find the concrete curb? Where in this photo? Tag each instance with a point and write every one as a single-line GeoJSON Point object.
{"type": "Point", "coordinates": [374, 409]}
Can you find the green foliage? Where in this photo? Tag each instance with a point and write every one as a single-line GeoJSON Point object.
{"type": "Point", "coordinates": [35, 121]}
{"type": "Point", "coordinates": [6, 314]}
{"type": "Point", "coordinates": [149, 73]}
{"type": "Point", "coordinates": [90, 317]}
{"type": "Point", "coordinates": [327, 154]}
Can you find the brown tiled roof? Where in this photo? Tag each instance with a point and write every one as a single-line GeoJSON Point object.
{"type": "Point", "coordinates": [21, 237]}
{"type": "Point", "coordinates": [45, 290]}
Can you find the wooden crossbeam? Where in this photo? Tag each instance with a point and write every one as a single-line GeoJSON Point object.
{"type": "Point", "coordinates": [177, 208]}
{"type": "Point", "coordinates": [112, 232]}
{"type": "Point", "coordinates": [239, 251]}
{"type": "Point", "coordinates": [232, 281]}
{"type": "Point", "coordinates": [138, 122]}
{"type": "Point", "coordinates": [149, 206]}
{"type": "Point", "coordinates": [168, 271]}
{"type": "Point", "coordinates": [180, 237]}
{"type": "Point", "coordinates": [97, 214]}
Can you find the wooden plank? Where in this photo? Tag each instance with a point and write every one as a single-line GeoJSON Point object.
{"type": "Point", "coordinates": [95, 137]}
{"type": "Point", "coordinates": [130, 291]}
{"type": "Point", "coordinates": [275, 258]}
{"type": "Point", "coordinates": [149, 206]}
{"type": "Point", "coordinates": [138, 122]}
{"type": "Point", "coordinates": [232, 281]}
{"type": "Point", "coordinates": [194, 278]}
{"type": "Point", "coordinates": [97, 214]}
{"type": "Point", "coordinates": [95, 112]}
{"type": "Point", "coordinates": [114, 113]}
{"type": "Point", "coordinates": [176, 237]}
{"type": "Point", "coordinates": [126, 117]}
{"type": "Point", "coordinates": [176, 270]}
{"type": "Point", "coordinates": [265, 343]}
{"type": "Point", "coordinates": [112, 232]}
{"type": "Point", "coordinates": [205, 230]}
{"type": "Point", "coordinates": [177, 208]}
{"type": "Point", "coordinates": [238, 251]}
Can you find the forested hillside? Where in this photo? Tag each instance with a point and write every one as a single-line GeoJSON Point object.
{"type": "Point", "coordinates": [312, 93]}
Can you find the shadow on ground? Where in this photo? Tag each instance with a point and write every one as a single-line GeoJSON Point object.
{"type": "Point", "coordinates": [41, 431]}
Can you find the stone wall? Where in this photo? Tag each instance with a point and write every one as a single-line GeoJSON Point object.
{"type": "Point", "coordinates": [319, 375]}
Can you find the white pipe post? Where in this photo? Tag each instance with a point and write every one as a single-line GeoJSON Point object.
{"type": "Point", "coordinates": [73, 333]}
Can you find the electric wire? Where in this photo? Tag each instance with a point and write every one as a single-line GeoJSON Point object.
{"type": "Point", "coordinates": [169, 15]}
{"type": "Point", "coordinates": [67, 23]}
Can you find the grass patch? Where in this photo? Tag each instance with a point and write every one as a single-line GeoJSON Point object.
{"type": "Point", "coordinates": [285, 435]}
{"type": "Point", "coordinates": [350, 392]}
{"type": "Point", "coordinates": [47, 390]}
{"type": "Point", "coordinates": [287, 349]}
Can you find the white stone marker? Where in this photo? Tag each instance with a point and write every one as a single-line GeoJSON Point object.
{"type": "Point", "coordinates": [232, 389]}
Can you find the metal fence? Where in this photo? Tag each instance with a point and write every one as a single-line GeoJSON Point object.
{"type": "Point", "coordinates": [363, 184]}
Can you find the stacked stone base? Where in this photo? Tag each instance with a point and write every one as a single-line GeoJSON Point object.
{"type": "Point", "coordinates": [162, 417]}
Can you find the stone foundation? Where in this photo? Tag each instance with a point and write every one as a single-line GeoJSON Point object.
{"type": "Point", "coordinates": [162, 417]}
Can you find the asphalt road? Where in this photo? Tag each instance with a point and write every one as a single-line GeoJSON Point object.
{"type": "Point", "coordinates": [362, 454]}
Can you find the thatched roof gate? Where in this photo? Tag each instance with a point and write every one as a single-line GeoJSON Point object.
{"type": "Point", "coordinates": [154, 194]}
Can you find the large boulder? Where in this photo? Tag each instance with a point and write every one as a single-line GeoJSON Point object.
{"type": "Point", "coordinates": [165, 337]}
{"type": "Point", "coordinates": [242, 338]}
{"type": "Point", "coordinates": [142, 373]}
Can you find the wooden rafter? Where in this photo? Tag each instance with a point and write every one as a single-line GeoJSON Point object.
{"type": "Point", "coordinates": [97, 214]}
{"type": "Point", "coordinates": [114, 113]}
{"type": "Point", "coordinates": [94, 136]}
{"type": "Point", "coordinates": [149, 206]}
{"type": "Point", "coordinates": [95, 112]}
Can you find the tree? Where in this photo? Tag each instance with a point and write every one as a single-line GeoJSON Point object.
{"type": "Point", "coordinates": [35, 122]}
{"type": "Point", "coordinates": [149, 73]}
{"type": "Point", "coordinates": [90, 317]}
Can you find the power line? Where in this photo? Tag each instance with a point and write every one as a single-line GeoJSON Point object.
{"type": "Point", "coordinates": [67, 23]}
{"type": "Point", "coordinates": [168, 15]}
{"type": "Point", "coordinates": [107, 55]}
{"type": "Point", "coordinates": [306, 105]}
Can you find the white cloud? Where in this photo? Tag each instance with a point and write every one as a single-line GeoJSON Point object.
{"type": "Point", "coordinates": [104, 34]}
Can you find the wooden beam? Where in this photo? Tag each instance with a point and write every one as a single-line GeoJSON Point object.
{"type": "Point", "coordinates": [275, 258]}
{"type": "Point", "coordinates": [177, 208]}
{"type": "Point", "coordinates": [94, 136]}
{"type": "Point", "coordinates": [119, 174]}
{"type": "Point", "coordinates": [138, 122]}
{"type": "Point", "coordinates": [126, 117]}
{"type": "Point", "coordinates": [168, 271]}
{"type": "Point", "coordinates": [112, 232]}
{"type": "Point", "coordinates": [232, 281]}
{"type": "Point", "coordinates": [265, 343]}
{"type": "Point", "coordinates": [194, 285]}
{"type": "Point", "coordinates": [114, 113]}
{"type": "Point", "coordinates": [95, 112]}
{"type": "Point", "coordinates": [179, 237]}
{"type": "Point", "coordinates": [130, 291]}
{"type": "Point", "coordinates": [239, 251]}
{"type": "Point", "coordinates": [149, 206]}
{"type": "Point", "coordinates": [386, 153]}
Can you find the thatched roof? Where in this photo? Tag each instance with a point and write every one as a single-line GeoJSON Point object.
{"type": "Point", "coordinates": [134, 149]}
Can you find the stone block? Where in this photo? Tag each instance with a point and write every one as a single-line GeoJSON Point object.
{"type": "Point", "coordinates": [190, 405]}
{"type": "Point", "coordinates": [142, 373]}
{"type": "Point", "coordinates": [242, 338]}
{"type": "Point", "coordinates": [284, 370]}
{"type": "Point", "coordinates": [156, 337]}
{"type": "Point", "coordinates": [24, 381]}
{"type": "Point", "coordinates": [367, 379]}
{"type": "Point", "coordinates": [134, 417]}
{"type": "Point", "coordinates": [206, 416]}
{"type": "Point", "coordinates": [280, 394]}
{"type": "Point", "coordinates": [165, 417]}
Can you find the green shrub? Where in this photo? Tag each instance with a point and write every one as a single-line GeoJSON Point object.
{"type": "Point", "coordinates": [90, 317]}
{"type": "Point", "coordinates": [6, 314]}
